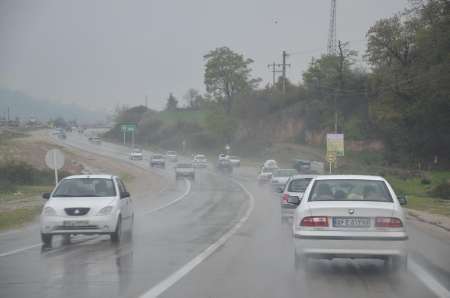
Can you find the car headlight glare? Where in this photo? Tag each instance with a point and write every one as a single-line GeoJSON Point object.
{"type": "Point", "coordinates": [49, 211]}
{"type": "Point", "coordinates": [105, 210]}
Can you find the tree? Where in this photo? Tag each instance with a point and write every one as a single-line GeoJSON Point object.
{"type": "Point", "coordinates": [411, 71]}
{"type": "Point", "coordinates": [194, 100]}
{"type": "Point", "coordinates": [227, 74]}
{"type": "Point", "coordinates": [172, 103]}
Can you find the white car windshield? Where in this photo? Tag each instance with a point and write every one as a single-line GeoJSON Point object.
{"type": "Point", "coordinates": [350, 190]}
{"type": "Point", "coordinates": [85, 187]}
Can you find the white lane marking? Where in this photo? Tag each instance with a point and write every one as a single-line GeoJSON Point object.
{"type": "Point", "coordinates": [428, 280]}
{"type": "Point", "coordinates": [165, 284]}
{"type": "Point", "coordinates": [12, 252]}
{"type": "Point", "coordinates": [187, 191]}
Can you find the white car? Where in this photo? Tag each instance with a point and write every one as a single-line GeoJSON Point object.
{"type": "Point", "coordinates": [270, 163]}
{"type": "Point", "coordinates": [235, 161]}
{"type": "Point", "coordinates": [346, 216]}
{"type": "Point", "coordinates": [292, 195]}
{"type": "Point", "coordinates": [200, 161]}
{"type": "Point", "coordinates": [280, 177]}
{"type": "Point", "coordinates": [265, 175]}
{"type": "Point", "coordinates": [136, 154]}
{"type": "Point", "coordinates": [87, 204]}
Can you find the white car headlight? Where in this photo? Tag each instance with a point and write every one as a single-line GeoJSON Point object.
{"type": "Point", "coordinates": [49, 211]}
{"type": "Point", "coordinates": [105, 210]}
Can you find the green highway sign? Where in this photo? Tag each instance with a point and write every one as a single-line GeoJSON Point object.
{"type": "Point", "coordinates": [128, 127]}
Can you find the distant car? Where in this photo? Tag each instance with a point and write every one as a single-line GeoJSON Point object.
{"type": "Point", "coordinates": [270, 164]}
{"type": "Point", "coordinates": [222, 156]}
{"type": "Point", "coordinates": [200, 161]}
{"type": "Point", "coordinates": [265, 175]}
{"type": "Point", "coordinates": [347, 216]}
{"type": "Point", "coordinates": [157, 160]}
{"type": "Point", "coordinates": [136, 154]}
{"type": "Point", "coordinates": [293, 194]}
{"type": "Point", "coordinates": [225, 166]}
{"type": "Point", "coordinates": [172, 156]}
{"type": "Point", "coordinates": [62, 135]}
{"type": "Point", "coordinates": [184, 170]}
{"type": "Point", "coordinates": [96, 140]}
{"type": "Point", "coordinates": [280, 177]}
{"type": "Point", "coordinates": [235, 161]}
{"type": "Point", "coordinates": [87, 204]}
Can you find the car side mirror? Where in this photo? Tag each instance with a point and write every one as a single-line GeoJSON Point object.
{"type": "Point", "coordinates": [402, 199]}
{"type": "Point", "coordinates": [124, 195]}
{"type": "Point", "coordinates": [46, 195]}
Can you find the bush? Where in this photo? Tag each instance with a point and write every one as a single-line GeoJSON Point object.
{"type": "Point", "coordinates": [441, 190]}
{"type": "Point", "coordinates": [425, 181]}
{"type": "Point", "coordinates": [14, 173]}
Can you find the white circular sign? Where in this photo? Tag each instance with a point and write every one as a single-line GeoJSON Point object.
{"type": "Point", "coordinates": [54, 159]}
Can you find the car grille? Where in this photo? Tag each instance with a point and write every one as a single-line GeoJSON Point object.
{"type": "Point", "coordinates": [76, 211]}
{"type": "Point", "coordinates": [73, 228]}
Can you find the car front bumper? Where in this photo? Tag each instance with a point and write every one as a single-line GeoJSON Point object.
{"type": "Point", "coordinates": [329, 246]}
{"type": "Point", "coordinates": [58, 225]}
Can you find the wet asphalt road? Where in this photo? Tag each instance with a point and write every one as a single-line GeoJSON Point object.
{"type": "Point", "coordinates": [257, 261]}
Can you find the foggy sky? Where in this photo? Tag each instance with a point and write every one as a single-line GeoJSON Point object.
{"type": "Point", "coordinates": [100, 53]}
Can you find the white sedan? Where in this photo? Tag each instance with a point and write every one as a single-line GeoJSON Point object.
{"type": "Point", "coordinates": [346, 216]}
{"type": "Point", "coordinates": [87, 204]}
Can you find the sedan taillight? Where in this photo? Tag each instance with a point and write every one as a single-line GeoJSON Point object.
{"type": "Point", "coordinates": [314, 221]}
{"type": "Point", "coordinates": [388, 222]}
{"type": "Point", "coordinates": [285, 198]}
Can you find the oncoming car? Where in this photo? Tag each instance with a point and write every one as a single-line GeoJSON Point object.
{"type": "Point", "coordinates": [136, 154]}
{"type": "Point", "coordinates": [87, 204]}
{"type": "Point", "coordinates": [347, 216]}
{"type": "Point", "coordinates": [158, 160]}
{"type": "Point", "coordinates": [200, 161]}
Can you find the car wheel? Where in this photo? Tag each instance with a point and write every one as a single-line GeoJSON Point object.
{"type": "Point", "coordinates": [300, 262]}
{"type": "Point", "coordinates": [46, 239]}
{"type": "Point", "coordinates": [117, 234]}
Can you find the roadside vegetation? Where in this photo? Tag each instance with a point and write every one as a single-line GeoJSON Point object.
{"type": "Point", "coordinates": [395, 115]}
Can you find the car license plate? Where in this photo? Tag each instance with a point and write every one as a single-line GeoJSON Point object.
{"type": "Point", "coordinates": [75, 223]}
{"type": "Point", "coordinates": [351, 222]}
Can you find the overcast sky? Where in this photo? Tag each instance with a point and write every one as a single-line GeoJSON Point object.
{"type": "Point", "coordinates": [100, 53]}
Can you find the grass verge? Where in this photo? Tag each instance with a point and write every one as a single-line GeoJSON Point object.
{"type": "Point", "coordinates": [17, 217]}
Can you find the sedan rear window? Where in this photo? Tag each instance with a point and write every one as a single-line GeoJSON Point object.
{"type": "Point", "coordinates": [85, 187]}
{"type": "Point", "coordinates": [350, 190]}
{"type": "Point", "coordinates": [285, 173]}
{"type": "Point", "coordinates": [299, 185]}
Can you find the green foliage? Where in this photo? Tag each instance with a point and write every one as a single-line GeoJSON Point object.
{"type": "Point", "coordinates": [410, 91]}
{"type": "Point", "coordinates": [172, 103]}
{"type": "Point", "coordinates": [227, 74]}
{"type": "Point", "coordinates": [442, 190]}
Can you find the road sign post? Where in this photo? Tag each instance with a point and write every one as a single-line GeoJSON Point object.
{"type": "Point", "coordinates": [130, 127]}
{"type": "Point", "coordinates": [54, 159]}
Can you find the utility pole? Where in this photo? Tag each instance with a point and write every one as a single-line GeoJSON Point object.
{"type": "Point", "coordinates": [146, 102]}
{"type": "Point", "coordinates": [340, 79]}
{"type": "Point", "coordinates": [283, 65]}
{"type": "Point", "coordinates": [273, 68]}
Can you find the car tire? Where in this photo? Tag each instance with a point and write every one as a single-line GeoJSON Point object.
{"type": "Point", "coordinates": [116, 236]}
{"type": "Point", "coordinates": [46, 239]}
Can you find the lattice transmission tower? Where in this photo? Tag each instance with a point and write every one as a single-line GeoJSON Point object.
{"type": "Point", "coordinates": [331, 44]}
